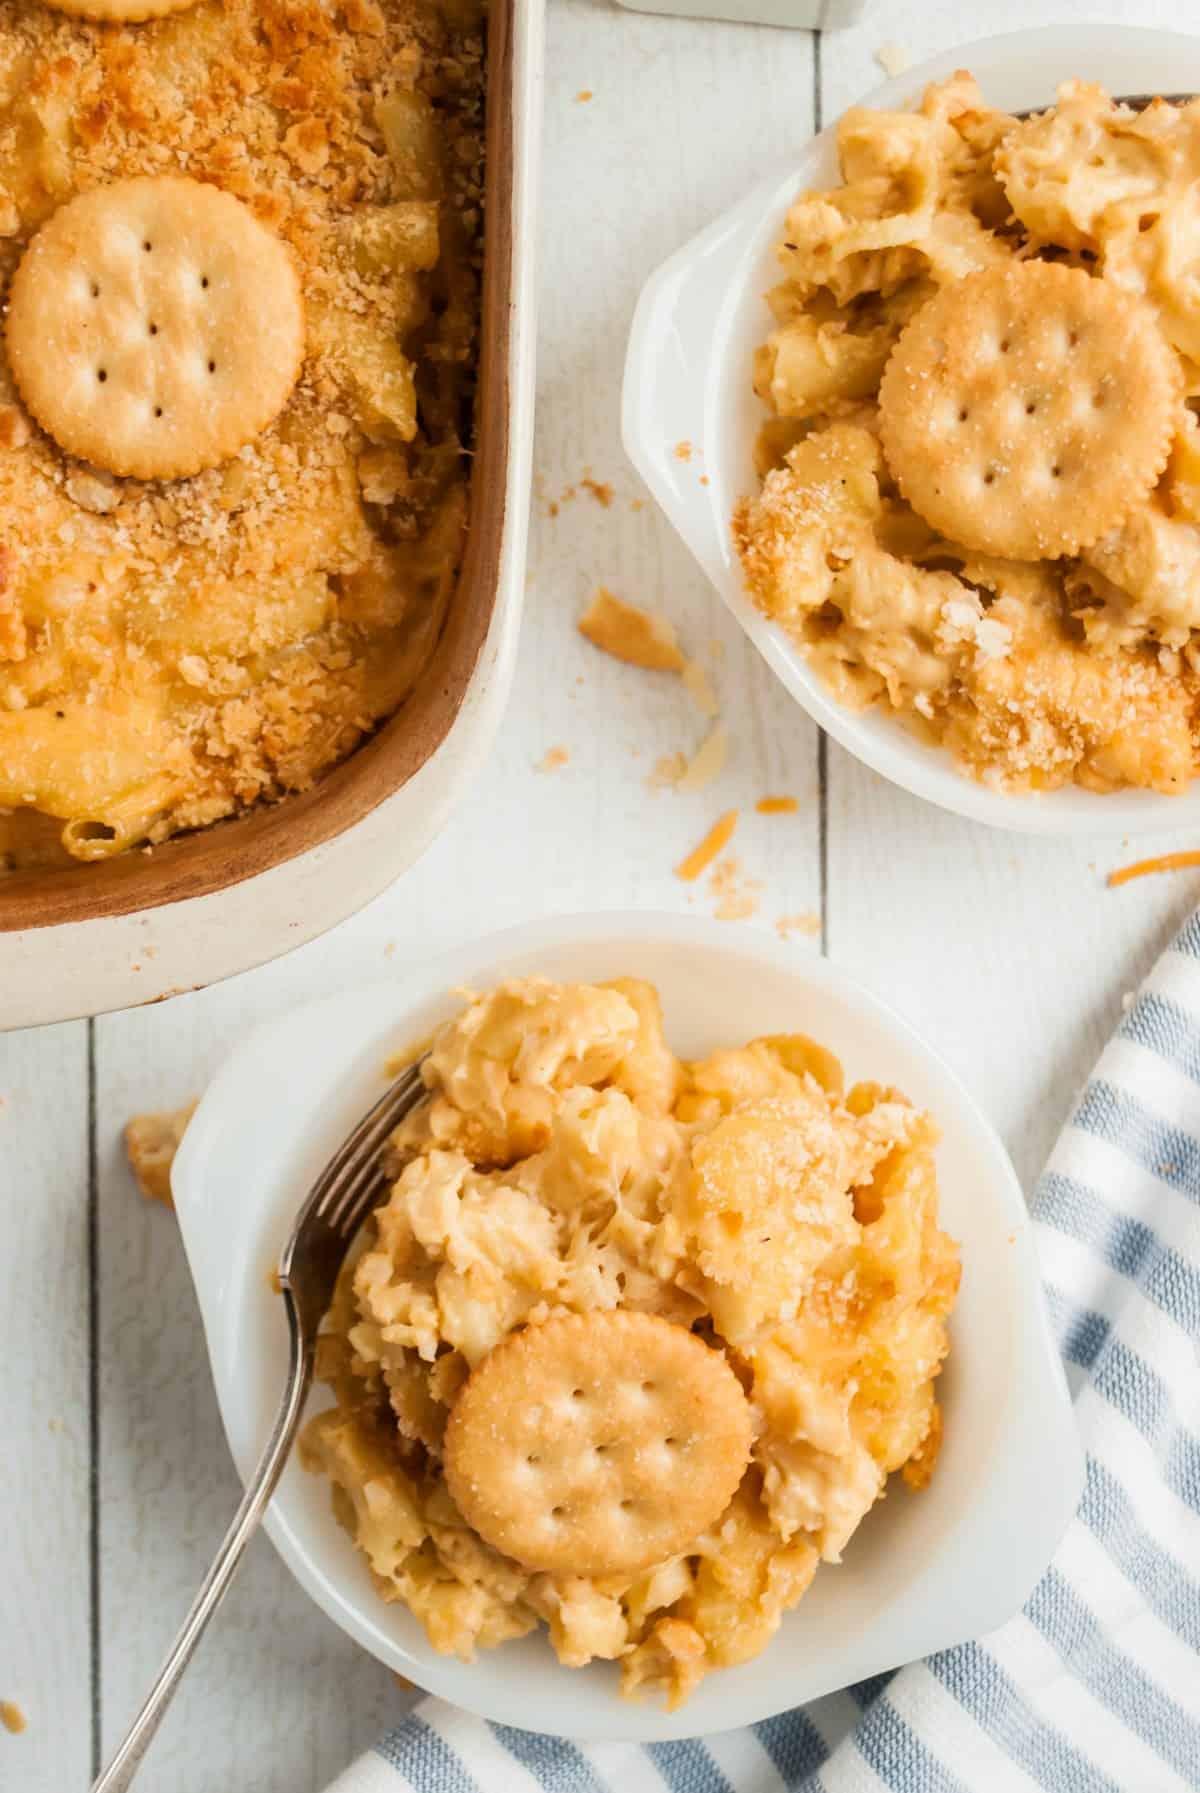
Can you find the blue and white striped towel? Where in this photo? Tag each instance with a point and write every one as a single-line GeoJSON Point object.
{"type": "Point", "coordinates": [1095, 1686]}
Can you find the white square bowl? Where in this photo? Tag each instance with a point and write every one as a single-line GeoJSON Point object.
{"type": "Point", "coordinates": [925, 1571]}
{"type": "Point", "coordinates": [688, 379]}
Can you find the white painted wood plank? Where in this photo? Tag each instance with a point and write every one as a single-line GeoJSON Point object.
{"type": "Point", "coordinates": [278, 1697]}
{"type": "Point", "coordinates": [45, 1648]}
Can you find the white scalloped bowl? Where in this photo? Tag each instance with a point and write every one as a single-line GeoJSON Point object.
{"type": "Point", "coordinates": [688, 378]}
{"type": "Point", "coordinates": [923, 1572]}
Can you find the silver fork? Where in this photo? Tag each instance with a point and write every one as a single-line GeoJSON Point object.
{"type": "Point", "coordinates": [342, 1196]}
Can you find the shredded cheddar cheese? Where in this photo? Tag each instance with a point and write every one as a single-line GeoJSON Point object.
{"type": "Point", "coordinates": [1165, 862]}
{"type": "Point", "coordinates": [639, 637]}
{"type": "Point", "coordinates": [708, 761]}
{"type": "Point", "coordinates": [714, 842]}
{"type": "Point", "coordinates": [777, 806]}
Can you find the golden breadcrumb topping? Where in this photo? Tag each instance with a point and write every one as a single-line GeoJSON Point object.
{"type": "Point", "coordinates": [172, 652]}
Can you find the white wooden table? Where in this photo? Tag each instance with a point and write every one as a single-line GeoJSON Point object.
{"type": "Point", "coordinates": [1008, 952]}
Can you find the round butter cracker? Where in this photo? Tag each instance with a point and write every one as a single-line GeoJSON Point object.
{"type": "Point", "coordinates": [1026, 409]}
{"type": "Point", "coordinates": [155, 326]}
{"type": "Point", "coordinates": [597, 1443]}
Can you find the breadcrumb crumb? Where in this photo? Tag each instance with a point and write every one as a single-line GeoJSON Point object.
{"type": "Point", "coordinates": [598, 489]}
{"type": "Point", "coordinates": [667, 771]}
{"type": "Point", "coordinates": [805, 921]}
{"type": "Point", "coordinates": [737, 896]}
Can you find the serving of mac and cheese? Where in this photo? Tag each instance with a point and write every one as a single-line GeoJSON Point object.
{"type": "Point", "coordinates": [634, 1343]}
{"type": "Point", "coordinates": [248, 241]}
{"type": "Point", "coordinates": [980, 501]}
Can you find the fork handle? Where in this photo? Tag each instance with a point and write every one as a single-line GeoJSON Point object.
{"type": "Point", "coordinates": [121, 1770]}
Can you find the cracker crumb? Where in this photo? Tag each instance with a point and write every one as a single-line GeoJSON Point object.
{"type": "Point", "coordinates": [893, 59]}
{"type": "Point", "coordinates": [683, 451]}
{"type": "Point", "coordinates": [777, 806]}
{"type": "Point", "coordinates": [698, 686]}
{"type": "Point", "coordinates": [151, 1142]}
{"type": "Point", "coordinates": [736, 896]}
{"type": "Point", "coordinates": [804, 921]}
{"type": "Point", "coordinates": [553, 759]}
{"type": "Point", "coordinates": [12, 1717]}
{"type": "Point", "coordinates": [708, 761]}
{"type": "Point", "coordinates": [639, 637]}
{"type": "Point", "coordinates": [93, 491]}
{"type": "Point", "coordinates": [710, 848]}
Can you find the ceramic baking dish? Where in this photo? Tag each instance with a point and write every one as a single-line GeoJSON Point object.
{"type": "Point", "coordinates": [74, 942]}
{"type": "Point", "coordinates": [688, 378]}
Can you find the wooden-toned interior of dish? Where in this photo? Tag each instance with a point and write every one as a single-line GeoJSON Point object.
{"type": "Point", "coordinates": [201, 863]}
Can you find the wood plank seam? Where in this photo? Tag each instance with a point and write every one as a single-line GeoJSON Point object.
{"type": "Point", "coordinates": [93, 1250]}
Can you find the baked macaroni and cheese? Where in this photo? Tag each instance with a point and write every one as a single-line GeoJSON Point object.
{"type": "Point", "coordinates": [240, 249]}
{"type": "Point", "coordinates": [634, 1344]}
{"type": "Point", "coordinates": [980, 504]}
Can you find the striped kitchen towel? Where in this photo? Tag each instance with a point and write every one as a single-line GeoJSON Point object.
{"type": "Point", "coordinates": [1095, 1686]}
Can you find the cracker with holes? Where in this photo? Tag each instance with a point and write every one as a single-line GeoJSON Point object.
{"type": "Point", "coordinates": [598, 1443]}
{"type": "Point", "coordinates": [1026, 409]}
{"type": "Point", "coordinates": [155, 326]}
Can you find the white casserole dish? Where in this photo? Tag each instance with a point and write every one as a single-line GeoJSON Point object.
{"type": "Point", "coordinates": [135, 951]}
{"type": "Point", "coordinates": [688, 379]}
{"type": "Point", "coordinates": [923, 1572]}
